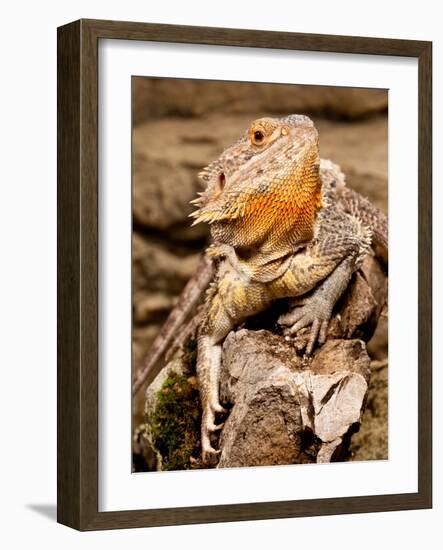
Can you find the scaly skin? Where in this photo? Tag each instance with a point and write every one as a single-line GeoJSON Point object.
{"type": "Point", "coordinates": [278, 232]}
{"type": "Point", "coordinates": [283, 225]}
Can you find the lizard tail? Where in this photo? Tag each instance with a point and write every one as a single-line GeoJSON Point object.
{"type": "Point", "coordinates": [186, 303]}
{"type": "Point", "coordinates": [370, 215]}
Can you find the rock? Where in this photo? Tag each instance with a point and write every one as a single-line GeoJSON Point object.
{"type": "Point", "coordinates": [150, 307]}
{"type": "Point", "coordinates": [371, 442]}
{"type": "Point", "coordinates": [144, 456]}
{"type": "Point", "coordinates": [159, 97]}
{"type": "Point", "coordinates": [362, 304]}
{"type": "Point", "coordinates": [360, 148]}
{"type": "Point", "coordinates": [286, 411]}
{"type": "Point", "coordinates": [176, 366]}
{"type": "Point", "coordinates": [157, 269]}
{"type": "Point", "coordinates": [142, 338]}
{"type": "Point", "coordinates": [378, 344]}
{"type": "Point", "coordinates": [173, 417]}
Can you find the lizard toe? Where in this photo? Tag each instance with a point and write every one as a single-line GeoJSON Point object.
{"type": "Point", "coordinates": [288, 319]}
{"type": "Point", "coordinates": [315, 329]}
{"type": "Point", "coordinates": [210, 455]}
{"type": "Point", "coordinates": [217, 408]}
{"type": "Point", "coordinates": [215, 427]}
{"type": "Point", "coordinates": [303, 322]}
{"type": "Point", "coordinates": [323, 332]}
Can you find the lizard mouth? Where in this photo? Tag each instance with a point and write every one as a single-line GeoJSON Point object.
{"type": "Point", "coordinates": [219, 186]}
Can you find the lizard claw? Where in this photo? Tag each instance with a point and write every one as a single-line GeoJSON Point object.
{"type": "Point", "coordinates": [210, 455]}
{"type": "Point", "coordinates": [208, 426]}
{"type": "Point", "coordinates": [313, 312]}
{"type": "Point", "coordinates": [216, 407]}
{"type": "Point", "coordinates": [215, 427]}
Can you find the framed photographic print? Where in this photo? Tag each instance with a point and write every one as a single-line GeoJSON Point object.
{"type": "Point", "coordinates": [225, 198]}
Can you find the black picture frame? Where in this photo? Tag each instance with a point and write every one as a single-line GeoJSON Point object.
{"type": "Point", "coordinates": [78, 282]}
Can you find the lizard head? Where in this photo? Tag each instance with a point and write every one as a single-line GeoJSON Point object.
{"type": "Point", "coordinates": [266, 186]}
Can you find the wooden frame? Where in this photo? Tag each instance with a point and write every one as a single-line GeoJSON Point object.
{"type": "Point", "coordinates": [77, 274]}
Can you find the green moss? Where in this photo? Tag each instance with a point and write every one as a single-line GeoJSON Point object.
{"type": "Point", "coordinates": [190, 355]}
{"type": "Point", "coordinates": [175, 422]}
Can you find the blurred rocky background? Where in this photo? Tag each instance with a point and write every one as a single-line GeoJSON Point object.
{"type": "Point", "coordinates": [179, 126]}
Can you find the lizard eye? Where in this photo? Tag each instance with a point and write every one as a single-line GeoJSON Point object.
{"type": "Point", "coordinates": [258, 137]}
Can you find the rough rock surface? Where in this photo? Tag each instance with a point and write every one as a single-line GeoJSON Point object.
{"type": "Point", "coordinates": [157, 268]}
{"type": "Point", "coordinates": [289, 409]}
{"type": "Point", "coordinates": [371, 442]}
{"type": "Point", "coordinates": [156, 97]}
{"type": "Point", "coordinates": [286, 411]}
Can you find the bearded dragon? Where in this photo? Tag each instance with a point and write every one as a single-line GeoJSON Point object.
{"type": "Point", "coordinates": [283, 226]}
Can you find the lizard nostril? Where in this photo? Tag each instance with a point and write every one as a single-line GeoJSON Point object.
{"type": "Point", "coordinates": [222, 179]}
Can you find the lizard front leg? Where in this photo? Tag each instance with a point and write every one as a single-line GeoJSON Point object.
{"type": "Point", "coordinates": [216, 326]}
{"type": "Point", "coordinates": [231, 298]}
{"type": "Point", "coordinates": [208, 371]}
{"type": "Point", "coordinates": [316, 308]}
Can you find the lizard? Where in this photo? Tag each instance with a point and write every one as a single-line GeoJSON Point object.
{"type": "Point", "coordinates": [284, 225]}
